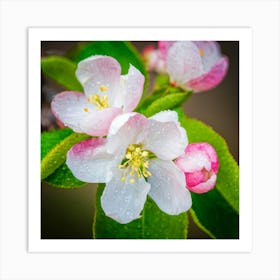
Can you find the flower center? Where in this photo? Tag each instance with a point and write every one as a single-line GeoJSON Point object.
{"type": "Point", "coordinates": [135, 163]}
{"type": "Point", "coordinates": [99, 102]}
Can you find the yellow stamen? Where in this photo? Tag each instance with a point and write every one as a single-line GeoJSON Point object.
{"type": "Point", "coordinates": [100, 103]}
{"type": "Point", "coordinates": [86, 109]}
{"type": "Point", "coordinates": [201, 52]}
{"type": "Point", "coordinates": [135, 162]}
{"type": "Point", "coordinates": [103, 88]}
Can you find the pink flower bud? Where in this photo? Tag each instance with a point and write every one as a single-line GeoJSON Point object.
{"type": "Point", "coordinates": [200, 165]}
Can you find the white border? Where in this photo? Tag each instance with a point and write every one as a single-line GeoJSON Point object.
{"type": "Point", "coordinates": [263, 260]}
{"type": "Point", "coordinates": [243, 35]}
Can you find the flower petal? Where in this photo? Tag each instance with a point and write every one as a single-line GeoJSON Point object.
{"type": "Point", "coordinates": [204, 186]}
{"type": "Point", "coordinates": [193, 160]}
{"type": "Point", "coordinates": [164, 136]}
{"type": "Point", "coordinates": [89, 161]}
{"type": "Point", "coordinates": [76, 112]}
{"type": "Point", "coordinates": [130, 90]}
{"type": "Point", "coordinates": [97, 71]}
{"type": "Point", "coordinates": [124, 130]}
{"type": "Point", "coordinates": [212, 78]}
{"type": "Point", "coordinates": [208, 149]}
{"type": "Point", "coordinates": [168, 187]}
{"type": "Point", "coordinates": [124, 201]}
{"type": "Point", "coordinates": [183, 62]}
{"type": "Point", "coordinates": [163, 47]}
{"type": "Point", "coordinates": [210, 53]}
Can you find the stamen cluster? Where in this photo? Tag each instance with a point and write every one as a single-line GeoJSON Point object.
{"type": "Point", "coordinates": [136, 162]}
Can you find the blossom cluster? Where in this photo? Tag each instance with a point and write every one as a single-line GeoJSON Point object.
{"type": "Point", "coordinates": [133, 155]}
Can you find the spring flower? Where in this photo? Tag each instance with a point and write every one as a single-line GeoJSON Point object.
{"type": "Point", "coordinates": [200, 165]}
{"type": "Point", "coordinates": [152, 59]}
{"type": "Point", "coordinates": [107, 94]}
{"type": "Point", "coordinates": [193, 65]}
{"type": "Point", "coordinates": [135, 160]}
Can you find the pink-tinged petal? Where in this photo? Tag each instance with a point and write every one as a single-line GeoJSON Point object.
{"type": "Point", "coordinates": [204, 186]}
{"type": "Point", "coordinates": [168, 187]}
{"type": "Point", "coordinates": [151, 57]}
{"type": "Point", "coordinates": [200, 165]}
{"type": "Point", "coordinates": [210, 53]}
{"type": "Point", "coordinates": [125, 129]}
{"type": "Point", "coordinates": [131, 89]}
{"type": "Point", "coordinates": [74, 111]}
{"type": "Point", "coordinates": [193, 161]}
{"type": "Point", "coordinates": [124, 201]}
{"type": "Point", "coordinates": [97, 71]}
{"type": "Point", "coordinates": [207, 148]}
{"type": "Point", "coordinates": [167, 140]}
{"type": "Point", "coordinates": [195, 178]}
{"type": "Point", "coordinates": [183, 62]}
{"type": "Point", "coordinates": [211, 79]}
{"type": "Point", "coordinates": [163, 47]}
{"type": "Point", "coordinates": [89, 161]}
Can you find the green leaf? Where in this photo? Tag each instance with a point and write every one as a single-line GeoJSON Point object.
{"type": "Point", "coordinates": [61, 70]}
{"type": "Point", "coordinates": [62, 177]}
{"type": "Point", "coordinates": [212, 213]}
{"type": "Point", "coordinates": [54, 146]}
{"type": "Point", "coordinates": [124, 52]}
{"type": "Point", "coordinates": [161, 81]}
{"type": "Point", "coordinates": [228, 175]}
{"type": "Point", "coordinates": [166, 102]}
{"type": "Point", "coordinates": [216, 212]}
{"type": "Point", "coordinates": [153, 224]}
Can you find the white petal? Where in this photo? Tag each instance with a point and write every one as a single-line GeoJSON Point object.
{"type": "Point", "coordinates": [124, 201]}
{"type": "Point", "coordinates": [131, 88]}
{"type": "Point", "coordinates": [89, 161]}
{"type": "Point", "coordinates": [97, 71]}
{"type": "Point", "coordinates": [167, 140]}
{"type": "Point", "coordinates": [168, 187]}
{"type": "Point", "coordinates": [210, 53]}
{"type": "Point", "coordinates": [183, 62]}
{"type": "Point", "coordinates": [165, 116]}
{"type": "Point", "coordinates": [125, 129]}
{"type": "Point", "coordinates": [74, 111]}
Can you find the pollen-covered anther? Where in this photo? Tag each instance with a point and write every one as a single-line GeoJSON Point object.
{"type": "Point", "coordinates": [135, 163]}
{"type": "Point", "coordinates": [86, 109]}
{"type": "Point", "coordinates": [103, 88]}
{"type": "Point", "coordinates": [201, 52]}
{"type": "Point", "coordinates": [100, 102]}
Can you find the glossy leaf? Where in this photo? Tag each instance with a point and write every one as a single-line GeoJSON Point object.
{"type": "Point", "coordinates": [61, 70]}
{"type": "Point", "coordinates": [62, 177]}
{"type": "Point", "coordinates": [212, 213]}
{"type": "Point", "coordinates": [153, 224]}
{"type": "Point", "coordinates": [54, 146]}
{"type": "Point", "coordinates": [167, 102]}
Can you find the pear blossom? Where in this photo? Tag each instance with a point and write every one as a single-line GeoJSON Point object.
{"type": "Point", "coordinates": [200, 165]}
{"type": "Point", "coordinates": [135, 160]}
{"type": "Point", "coordinates": [107, 94]}
{"type": "Point", "coordinates": [192, 65]}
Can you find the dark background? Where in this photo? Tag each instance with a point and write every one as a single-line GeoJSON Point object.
{"type": "Point", "coordinates": [68, 213]}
